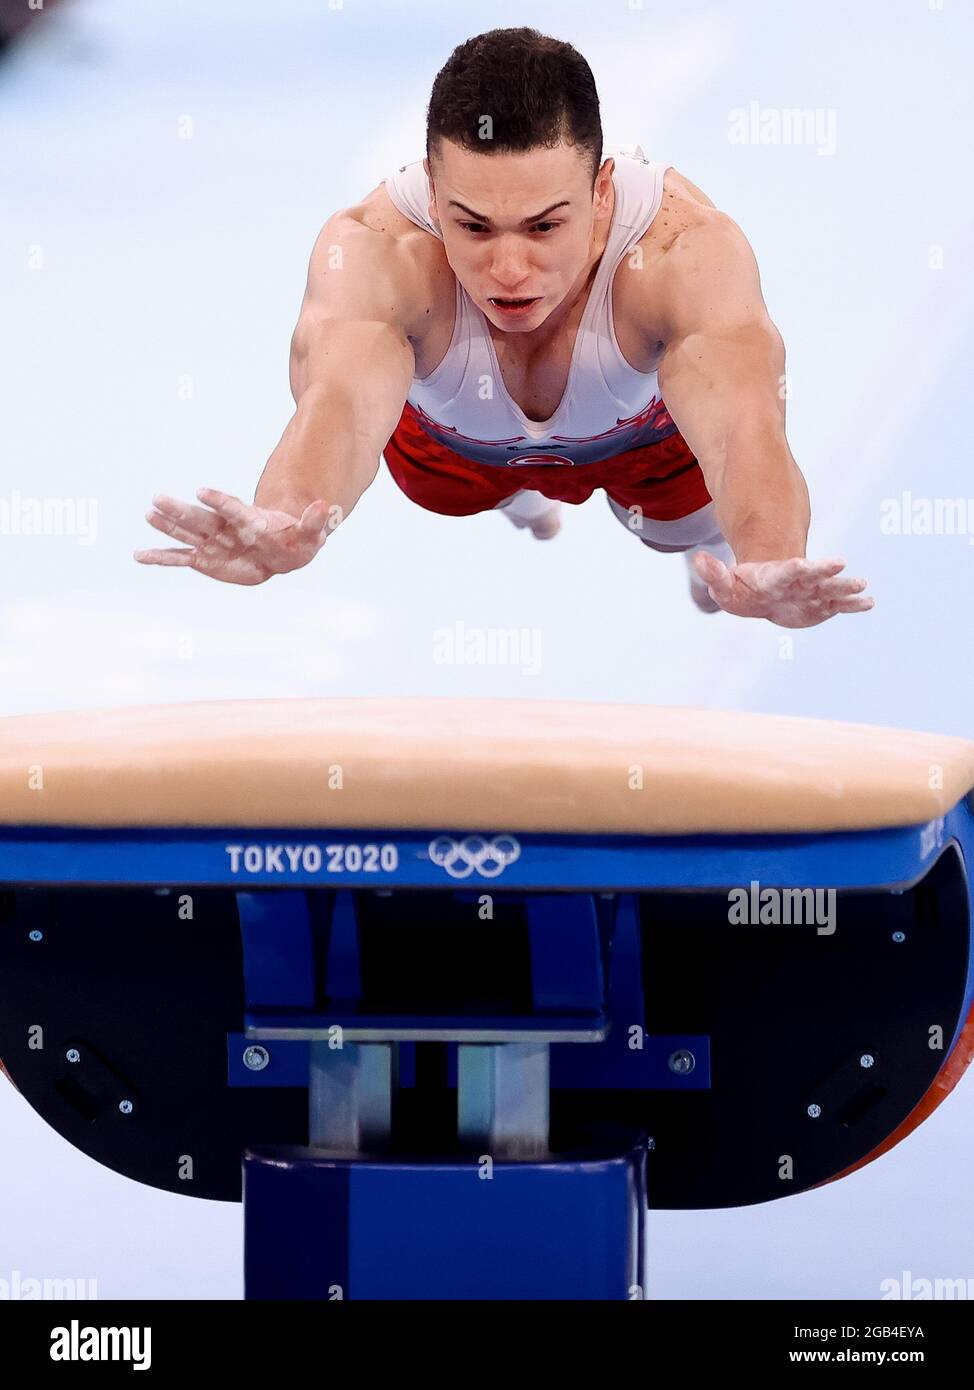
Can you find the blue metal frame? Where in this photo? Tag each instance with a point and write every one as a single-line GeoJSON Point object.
{"type": "Point", "coordinates": [891, 858]}
{"type": "Point", "coordinates": [886, 858]}
{"type": "Point", "coordinates": [404, 1208]}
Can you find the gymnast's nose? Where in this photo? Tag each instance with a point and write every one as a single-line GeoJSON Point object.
{"type": "Point", "coordinates": [509, 267]}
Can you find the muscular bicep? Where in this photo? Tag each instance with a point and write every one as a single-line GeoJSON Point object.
{"type": "Point", "coordinates": [351, 342]}
{"type": "Point", "coordinates": [723, 365]}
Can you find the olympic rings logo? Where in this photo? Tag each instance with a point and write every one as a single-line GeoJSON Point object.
{"type": "Point", "coordinates": [474, 854]}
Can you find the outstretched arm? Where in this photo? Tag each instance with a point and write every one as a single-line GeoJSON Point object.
{"type": "Point", "coordinates": [351, 365]}
{"type": "Point", "coordinates": [721, 377]}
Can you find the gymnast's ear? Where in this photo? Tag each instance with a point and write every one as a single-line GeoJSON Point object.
{"type": "Point", "coordinates": [602, 188]}
{"type": "Point", "coordinates": [432, 203]}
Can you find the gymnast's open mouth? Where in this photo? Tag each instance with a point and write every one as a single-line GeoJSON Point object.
{"type": "Point", "coordinates": [513, 307]}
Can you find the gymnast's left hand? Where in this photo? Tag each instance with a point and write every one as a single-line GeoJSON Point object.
{"type": "Point", "coordinates": [791, 593]}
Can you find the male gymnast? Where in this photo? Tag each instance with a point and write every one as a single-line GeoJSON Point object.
{"type": "Point", "coordinates": [521, 318]}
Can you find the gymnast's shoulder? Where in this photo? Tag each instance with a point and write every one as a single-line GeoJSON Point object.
{"type": "Point", "coordinates": [372, 256]}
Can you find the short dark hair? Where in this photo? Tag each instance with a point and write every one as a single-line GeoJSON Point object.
{"type": "Point", "coordinates": [536, 91]}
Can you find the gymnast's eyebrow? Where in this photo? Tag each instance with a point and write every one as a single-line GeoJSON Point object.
{"type": "Point", "coordinates": [525, 221]}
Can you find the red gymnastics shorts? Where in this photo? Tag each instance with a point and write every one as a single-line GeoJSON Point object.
{"type": "Point", "coordinates": [663, 479]}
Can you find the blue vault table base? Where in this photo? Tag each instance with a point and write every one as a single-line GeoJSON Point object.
{"type": "Point", "coordinates": [462, 1066]}
{"type": "Point", "coordinates": [332, 1227]}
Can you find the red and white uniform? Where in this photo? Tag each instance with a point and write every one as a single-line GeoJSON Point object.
{"type": "Point", "coordinates": [463, 444]}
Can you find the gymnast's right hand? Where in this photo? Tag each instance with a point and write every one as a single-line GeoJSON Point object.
{"type": "Point", "coordinates": [229, 540]}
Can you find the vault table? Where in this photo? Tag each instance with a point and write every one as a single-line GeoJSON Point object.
{"type": "Point", "coordinates": [450, 991]}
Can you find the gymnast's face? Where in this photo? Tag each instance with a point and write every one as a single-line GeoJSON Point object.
{"type": "Point", "coordinates": [519, 229]}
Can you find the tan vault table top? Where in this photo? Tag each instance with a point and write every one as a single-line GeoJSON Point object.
{"type": "Point", "coordinates": [471, 764]}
